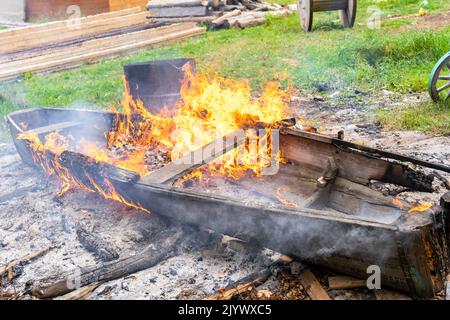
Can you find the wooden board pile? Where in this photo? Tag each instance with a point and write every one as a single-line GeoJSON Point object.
{"type": "Point", "coordinates": [217, 14]}
{"type": "Point", "coordinates": [66, 44]}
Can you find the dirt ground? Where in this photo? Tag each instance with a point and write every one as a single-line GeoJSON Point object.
{"type": "Point", "coordinates": [32, 218]}
{"type": "Point", "coordinates": [429, 21]}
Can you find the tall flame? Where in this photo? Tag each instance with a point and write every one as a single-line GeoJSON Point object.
{"type": "Point", "coordinates": [210, 108]}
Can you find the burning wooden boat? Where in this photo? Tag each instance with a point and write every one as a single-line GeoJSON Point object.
{"type": "Point", "coordinates": [317, 204]}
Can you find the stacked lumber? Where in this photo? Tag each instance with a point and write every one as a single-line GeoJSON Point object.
{"type": "Point", "coordinates": [217, 14]}
{"type": "Point", "coordinates": [15, 40]}
{"type": "Point", "coordinates": [239, 19]}
{"type": "Point", "coordinates": [61, 45]}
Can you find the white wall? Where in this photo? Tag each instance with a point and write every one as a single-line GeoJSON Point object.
{"type": "Point", "coordinates": [12, 10]}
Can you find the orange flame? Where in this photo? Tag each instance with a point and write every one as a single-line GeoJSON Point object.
{"type": "Point", "coordinates": [421, 207]}
{"type": "Point", "coordinates": [210, 108]}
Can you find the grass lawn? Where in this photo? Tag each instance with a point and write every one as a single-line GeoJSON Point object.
{"type": "Point", "coordinates": [323, 61]}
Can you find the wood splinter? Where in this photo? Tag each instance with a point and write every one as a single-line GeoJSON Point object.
{"type": "Point", "coordinates": [9, 268]}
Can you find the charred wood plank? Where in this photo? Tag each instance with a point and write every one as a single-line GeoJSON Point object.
{"type": "Point", "coordinates": [79, 163]}
{"type": "Point", "coordinates": [225, 16]}
{"type": "Point", "coordinates": [81, 293]}
{"type": "Point", "coordinates": [447, 291]}
{"type": "Point", "coordinates": [100, 248]}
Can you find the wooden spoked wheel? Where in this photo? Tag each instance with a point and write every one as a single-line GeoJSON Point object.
{"type": "Point", "coordinates": [348, 15]}
{"type": "Point", "coordinates": [439, 83]}
{"type": "Point", "coordinates": [305, 13]}
{"type": "Point", "coordinates": [347, 11]}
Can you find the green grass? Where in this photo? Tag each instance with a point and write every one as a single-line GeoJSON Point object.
{"type": "Point", "coordinates": [327, 59]}
{"type": "Point", "coordinates": [426, 117]}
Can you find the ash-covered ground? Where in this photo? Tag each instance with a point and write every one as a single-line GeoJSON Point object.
{"type": "Point", "coordinates": [32, 217]}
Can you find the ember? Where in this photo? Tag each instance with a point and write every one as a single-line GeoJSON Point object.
{"type": "Point", "coordinates": [420, 207]}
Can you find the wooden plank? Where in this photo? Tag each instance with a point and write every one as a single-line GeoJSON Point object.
{"type": "Point", "coordinates": [345, 282]}
{"type": "Point", "coordinates": [66, 33]}
{"type": "Point", "coordinates": [57, 24]}
{"type": "Point", "coordinates": [195, 159]}
{"type": "Point", "coordinates": [122, 4]}
{"type": "Point", "coordinates": [9, 269]}
{"type": "Point", "coordinates": [76, 57]}
{"type": "Point", "coordinates": [313, 286]}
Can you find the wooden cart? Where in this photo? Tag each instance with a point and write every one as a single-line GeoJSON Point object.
{"type": "Point", "coordinates": [347, 11]}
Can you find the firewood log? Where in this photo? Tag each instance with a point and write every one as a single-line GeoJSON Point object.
{"type": "Point", "coordinates": [149, 257]}
{"type": "Point", "coordinates": [81, 293]}
{"type": "Point", "coordinates": [241, 285]}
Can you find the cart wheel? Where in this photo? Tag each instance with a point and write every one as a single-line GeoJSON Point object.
{"type": "Point", "coordinates": [305, 13]}
{"type": "Point", "coordinates": [349, 14]}
{"type": "Point", "coordinates": [439, 83]}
